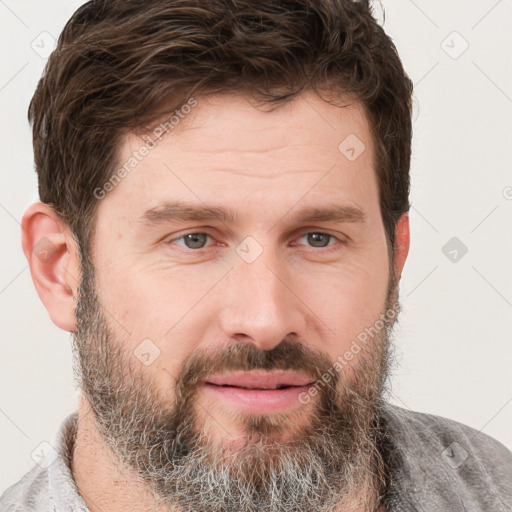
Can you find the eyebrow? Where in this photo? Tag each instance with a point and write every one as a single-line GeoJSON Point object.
{"type": "Point", "coordinates": [178, 211]}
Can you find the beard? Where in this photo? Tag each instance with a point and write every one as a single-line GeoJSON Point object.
{"type": "Point", "coordinates": [331, 461]}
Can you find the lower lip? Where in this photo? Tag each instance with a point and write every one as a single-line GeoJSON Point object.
{"type": "Point", "coordinates": [258, 401]}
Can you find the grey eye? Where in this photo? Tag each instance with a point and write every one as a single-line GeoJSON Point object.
{"type": "Point", "coordinates": [195, 240]}
{"type": "Point", "coordinates": [319, 239]}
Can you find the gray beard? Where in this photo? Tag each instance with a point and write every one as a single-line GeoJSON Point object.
{"type": "Point", "coordinates": [331, 463]}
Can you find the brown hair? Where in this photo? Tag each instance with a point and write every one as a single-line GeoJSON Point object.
{"type": "Point", "coordinates": [118, 60]}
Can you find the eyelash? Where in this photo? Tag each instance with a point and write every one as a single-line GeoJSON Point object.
{"type": "Point", "coordinates": [200, 251]}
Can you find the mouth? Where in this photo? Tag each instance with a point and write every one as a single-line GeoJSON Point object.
{"type": "Point", "coordinates": [258, 392]}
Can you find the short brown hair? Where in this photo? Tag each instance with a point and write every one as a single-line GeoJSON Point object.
{"type": "Point", "coordinates": [116, 60]}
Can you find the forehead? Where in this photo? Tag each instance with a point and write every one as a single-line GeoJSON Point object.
{"type": "Point", "coordinates": [258, 161]}
{"type": "Point", "coordinates": [225, 122]}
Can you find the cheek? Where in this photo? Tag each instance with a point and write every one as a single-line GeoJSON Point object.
{"type": "Point", "coordinates": [348, 301]}
{"type": "Point", "coordinates": [158, 317]}
{"type": "Point", "coordinates": [149, 300]}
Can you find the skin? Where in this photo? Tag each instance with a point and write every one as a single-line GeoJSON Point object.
{"type": "Point", "coordinates": [266, 166]}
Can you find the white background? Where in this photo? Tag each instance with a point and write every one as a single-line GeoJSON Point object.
{"type": "Point", "coordinates": [455, 336]}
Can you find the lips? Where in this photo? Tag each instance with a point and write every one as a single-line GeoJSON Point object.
{"type": "Point", "coordinates": [258, 392]}
{"type": "Point", "coordinates": [261, 380]}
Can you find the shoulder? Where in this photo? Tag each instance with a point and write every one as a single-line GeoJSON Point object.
{"type": "Point", "coordinates": [448, 457]}
{"type": "Point", "coordinates": [442, 432]}
{"type": "Point", "coordinates": [29, 494]}
{"type": "Point", "coordinates": [49, 485]}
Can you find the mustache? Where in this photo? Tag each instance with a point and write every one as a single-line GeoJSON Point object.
{"type": "Point", "coordinates": [287, 355]}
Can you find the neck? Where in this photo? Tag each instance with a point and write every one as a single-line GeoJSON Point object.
{"type": "Point", "coordinates": [101, 481]}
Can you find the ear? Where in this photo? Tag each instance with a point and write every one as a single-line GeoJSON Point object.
{"type": "Point", "coordinates": [52, 254]}
{"type": "Point", "coordinates": [402, 243]}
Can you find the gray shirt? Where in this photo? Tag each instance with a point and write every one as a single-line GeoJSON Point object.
{"type": "Point", "coordinates": [435, 465]}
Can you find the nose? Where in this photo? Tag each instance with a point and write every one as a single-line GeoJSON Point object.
{"type": "Point", "coordinates": [260, 304]}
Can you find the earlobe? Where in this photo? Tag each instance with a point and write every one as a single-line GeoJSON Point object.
{"type": "Point", "coordinates": [402, 243]}
{"type": "Point", "coordinates": [51, 253]}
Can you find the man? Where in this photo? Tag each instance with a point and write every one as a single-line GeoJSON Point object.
{"type": "Point", "coordinates": [223, 227]}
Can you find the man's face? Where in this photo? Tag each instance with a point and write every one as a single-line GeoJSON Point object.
{"type": "Point", "coordinates": [183, 326]}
